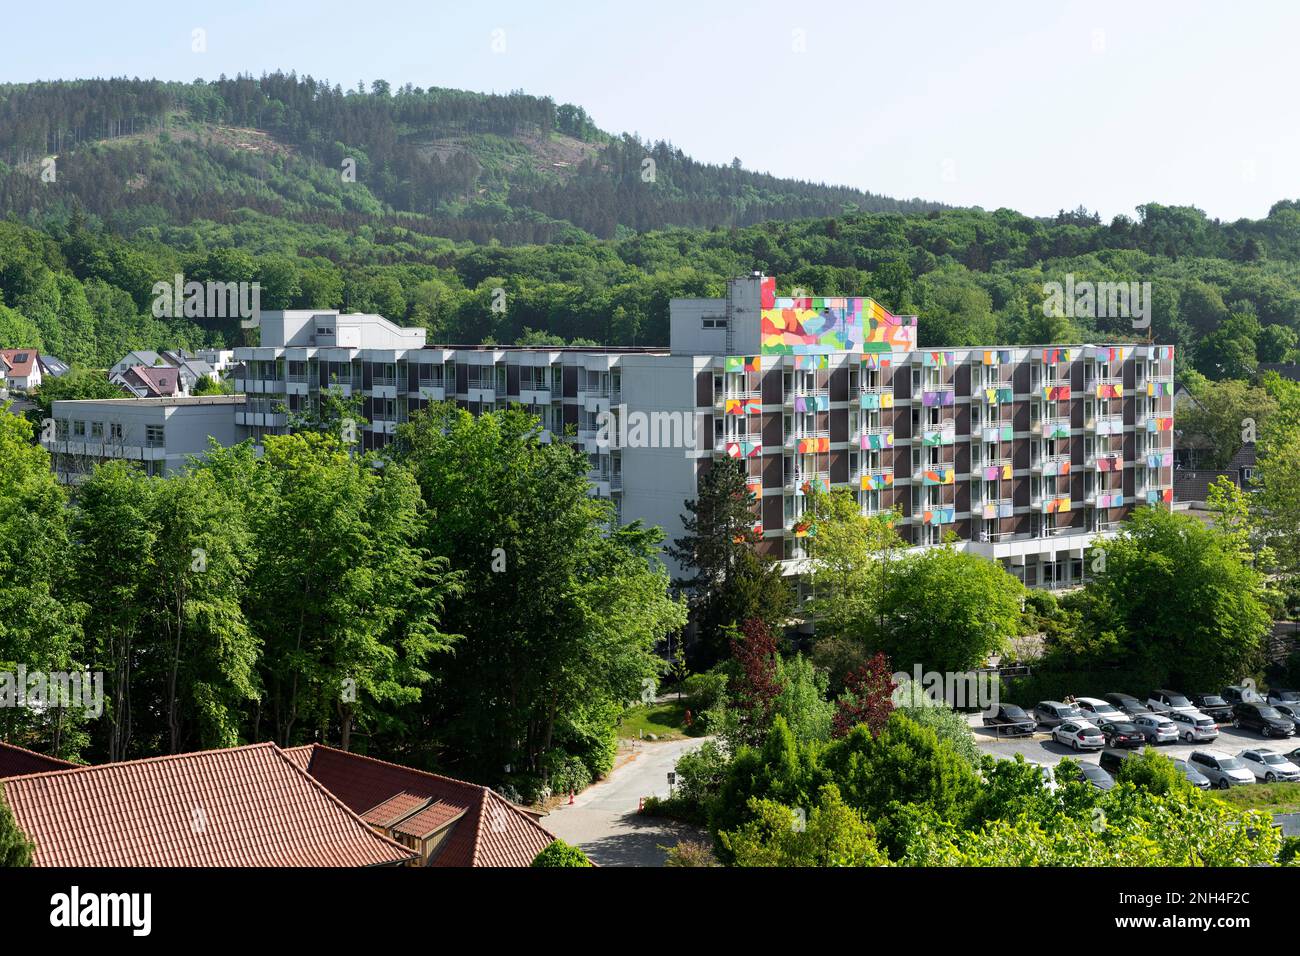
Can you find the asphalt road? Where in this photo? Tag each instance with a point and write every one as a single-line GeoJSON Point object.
{"type": "Point", "coordinates": [1041, 749]}
{"type": "Point", "coordinates": [603, 819]}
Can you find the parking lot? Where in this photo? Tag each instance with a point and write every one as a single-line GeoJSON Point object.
{"type": "Point", "coordinates": [1041, 749]}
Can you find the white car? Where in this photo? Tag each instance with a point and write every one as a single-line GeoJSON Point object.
{"type": "Point", "coordinates": [1269, 766]}
{"type": "Point", "coordinates": [1156, 728]}
{"type": "Point", "coordinates": [1193, 725]}
{"type": "Point", "coordinates": [1079, 734]}
{"type": "Point", "coordinates": [1097, 711]}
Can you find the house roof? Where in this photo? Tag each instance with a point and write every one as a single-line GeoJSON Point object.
{"type": "Point", "coordinates": [158, 381]}
{"type": "Point", "coordinates": [489, 831]}
{"type": "Point", "coordinates": [54, 366]}
{"type": "Point", "coordinates": [242, 806]}
{"type": "Point", "coordinates": [19, 760]}
{"type": "Point", "coordinates": [21, 362]}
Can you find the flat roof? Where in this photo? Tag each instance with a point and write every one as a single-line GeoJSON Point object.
{"type": "Point", "coordinates": [177, 400]}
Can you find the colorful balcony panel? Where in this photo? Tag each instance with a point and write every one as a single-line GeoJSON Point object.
{"type": "Point", "coordinates": [1056, 429]}
{"type": "Point", "coordinates": [940, 476]}
{"type": "Point", "coordinates": [1110, 426]}
{"type": "Point", "coordinates": [995, 396]}
{"type": "Point", "coordinates": [810, 361]}
{"type": "Point", "coordinates": [1057, 356]}
{"type": "Point", "coordinates": [817, 484]}
{"type": "Point", "coordinates": [1160, 460]}
{"type": "Point", "coordinates": [994, 472]}
{"type": "Point", "coordinates": [1156, 496]}
{"type": "Point", "coordinates": [876, 360]}
{"type": "Point", "coordinates": [937, 437]}
{"type": "Point", "coordinates": [1115, 500]}
{"type": "Point", "coordinates": [743, 363]}
{"type": "Point", "coordinates": [1110, 463]}
{"type": "Point", "coordinates": [1109, 353]}
{"type": "Point", "coordinates": [1155, 389]}
{"type": "Point", "coordinates": [754, 486]}
{"type": "Point", "coordinates": [993, 433]}
{"type": "Point", "coordinates": [804, 528]}
{"type": "Point", "coordinates": [812, 446]}
{"type": "Point", "coordinates": [940, 516]}
{"type": "Point", "coordinates": [936, 399]}
{"type": "Point", "coordinates": [1006, 509]}
{"type": "Point", "coordinates": [1057, 467]}
{"type": "Point", "coordinates": [877, 441]}
{"type": "Point", "coordinates": [997, 356]}
{"type": "Point", "coordinates": [990, 510]}
{"type": "Point", "coordinates": [1056, 393]}
{"type": "Point", "coordinates": [1109, 390]}
{"type": "Point", "coordinates": [1059, 505]}
{"type": "Point", "coordinates": [744, 406]}
{"type": "Point", "coordinates": [937, 359]}
{"type": "Point", "coordinates": [879, 482]}
{"type": "Point", "coordinates": [1160, 424]}
{"type": "Point", "coordinates": [744, 449]}
{"type": "Point", "coordinates": [873, 400]}
{"type": "Point", "coordinates": [812, 403]}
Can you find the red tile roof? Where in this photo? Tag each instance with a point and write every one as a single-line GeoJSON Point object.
{"type": "Point", "coordinates": [19, 760]}
{"type": "Point", "coordinates": [244, 806]}
{"type": "Point", "coordinates": [20, 361]}
{"type": "Point", "coordinates": [430, 820]}
{"type": "Point", "coordinates": [158, 381]}
{"type": "Point", "coordinates": [492, 831]}
{"type": "Point", "coordinates": [395, 808]}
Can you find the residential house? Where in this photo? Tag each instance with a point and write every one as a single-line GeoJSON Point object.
{"type": "Point", "coordinates": [21, 368]}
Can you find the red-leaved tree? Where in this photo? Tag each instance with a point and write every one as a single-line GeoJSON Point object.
{"type": "Point", "coordinates": [868, 697]}
{"type": "Point", "coordinates": [753, 694]}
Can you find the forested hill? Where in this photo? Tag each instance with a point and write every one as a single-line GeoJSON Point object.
{"type": "Point", "coordinates": [513, 168]}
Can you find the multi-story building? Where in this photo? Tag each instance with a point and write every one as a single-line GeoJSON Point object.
{"type": "Point", "coordinates": [1026, 454]}
{"type": "Point", "coordinates": [160, 434]}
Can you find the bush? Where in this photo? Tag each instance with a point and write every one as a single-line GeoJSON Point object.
{"type": "Point", "coordinates": [705, 691]}
{"type": "Point", "coordinates": [559, 853]}
{"type": "Point", "coordinates": [1151, 771]}
{"type": "Point", "coordinates": [566, 773]}
{"type": "Point", "coordinates": [691, 853]}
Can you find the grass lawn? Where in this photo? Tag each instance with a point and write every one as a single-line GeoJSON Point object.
{"type": "Point", "coordinates": [1273, 797]}
{"type": "Point", "coordinates": [666, 720]}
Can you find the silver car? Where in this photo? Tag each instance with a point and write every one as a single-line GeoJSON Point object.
{"type": "Point", "coordinates": [1268, 766]}
{"type": "Point", "coordinates": [1156, 728]}
{"type": "Point", "coordinates": [1079, 734]}
{"type": "Point", "coordinates": [1193, 726]}
{"type": "Point", "coordinates": [1220, 769]}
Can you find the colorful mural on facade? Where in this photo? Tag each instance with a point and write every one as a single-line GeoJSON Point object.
{"type": "Point", "coordinates": [822, 324]}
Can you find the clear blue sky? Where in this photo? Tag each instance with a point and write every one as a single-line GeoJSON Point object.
{"type": "Point", "coordinates": [1031, 105]}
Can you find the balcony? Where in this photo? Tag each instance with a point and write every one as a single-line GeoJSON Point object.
{"type": "Point", "coordinates": [802, 482]}
{"type": "Point", "coordinates": [937, 396]}
{"type": "Point", "coordinates": [809, 441]}
{"type": "Point", "coordinates": [877, 439]}
{"type": "Point", "coordinates": [1052, 465]}
{"type": "Point", "coordinates": [1107, 424]}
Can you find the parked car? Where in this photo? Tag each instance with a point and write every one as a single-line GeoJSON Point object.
{"type": "Point", "coordinates": [1220, 769]}
{"type": "Point", "coordinates": [1052, 713]}
{"type": "Point", "coordinates": [1282, 695]}
{"type": "Point", "coordinates": [1078, 734]}
{"type": "Point", "coordinates": [1163, 701]}
{"type": "Point", "coordinates": [1111, 758]}
{"type": "Point", "coordinates": [1263, 718]}
{"type": "Point", "coordinates": [1097, 711]}
{"type": "Point", "coordinates": [1122, 733]}
{"type": "Point", "coordinates": [1095, 775]}
{"type": "Point", "coordinates": [1214, 707]}
{"type": "Point", "coordinates": [1127, 704]}
{"type": "Point", "coordinates": [1268, 766]}
{"type": "Point", "coordinates": [1194, 776]}
{"type": "Point", "coordinates": [1011, 721]}
{"type": "Point", "coordinates": [1241, 694]}
{"type": "Point", "coordinates": [1290, 711]}
{"type": "Point", "coordinates": [1194, 726]}
{"type": "Point", "coordinates": [1156, 728]}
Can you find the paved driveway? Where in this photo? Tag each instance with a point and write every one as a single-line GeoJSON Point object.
{"type": "Point", "coordinates": [603, 820]}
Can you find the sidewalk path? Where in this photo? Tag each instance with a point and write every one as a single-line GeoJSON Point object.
{"type": "Point", "coordinates": [603, 820]}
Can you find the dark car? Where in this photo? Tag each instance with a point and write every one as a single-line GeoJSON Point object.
{"type": "Point", "coordinates": [1095, 775]}
{"type": "Point", "coordinates": [1111, 758]}
{"type": "Point", "coordinates": [1214, 707]}
{"type": "Point", "coordinates": [1127, 703]}
{"type": "Point", "coordinates": [1011, 721]}
{"type": "Point", "coordinates": [1282, 695]}
{"type": "Point", "coordinates": [1290, 711]}
{"type": "Point", "coordinates": [1263, 718]}
{"type": "Point", "coordinates": [1236, 694]}
{"type": "Point", "coordinates": [1121, 733]}
{"type": "Point", "coordinates": [1194, 776]}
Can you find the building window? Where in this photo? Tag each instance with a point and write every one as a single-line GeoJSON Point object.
{"type": "Point", "coordinates": [78, 429]}
{"type": "Point", "coordinates": [97, 431]}
{"type": "Point", "coordinates": [154, 436]}
{"type": "Point", "coordinates": [115, 431]}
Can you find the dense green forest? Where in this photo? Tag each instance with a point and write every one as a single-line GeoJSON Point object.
{"type": "Point", "coordinates": [457, 194]}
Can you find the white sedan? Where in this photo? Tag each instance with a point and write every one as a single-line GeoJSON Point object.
{"type": "Point", "coordinates": [1269, 766]}
{"type": "Point", "coordinates": [1079, 734]}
